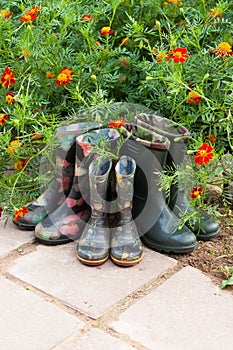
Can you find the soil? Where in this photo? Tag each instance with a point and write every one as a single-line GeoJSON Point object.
{"type": "Point", "coordinates": [214, 256]}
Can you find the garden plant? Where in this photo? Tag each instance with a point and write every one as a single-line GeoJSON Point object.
{"type": "Point", "coordinates": [58, 58]}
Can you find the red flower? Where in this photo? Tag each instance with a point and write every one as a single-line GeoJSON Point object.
{"type": "Point", "coordinates": [19, 213]}
{"type": "Point", "coordinates": [6, 14]}
{"type": "Point", "coordinates": [87, 17]}
{"type": "Point", "coordinates": [196, 192]}
{"type": "Point", "coordinates": [204, 154]}
{"type": "Point", "coordinates": [212, 138]}
{"type": "Point", "coordinates": [194, 97]}
{"type": "Point", "coordinates": [3, 118]}
{"type": "Point", "coordinates": [20, 164]}
{"type": "Point", "coordinates": [30, 15]}
{"type": "Point", "coordinates": [7, 78]}
{"type": "Point", "coordinates": [117, 123]}
{"type": "Point", "coordinates": [1, 210]}
{"type": "Point", "coordinates": [65, 76]}
{"type": "Point", "coordinates": [179, 55]}
{"type": "Point", "coordinates": [106, 30]}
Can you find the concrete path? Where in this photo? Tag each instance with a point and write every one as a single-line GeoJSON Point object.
{"type": "Point", "coordinates": [50, 301]}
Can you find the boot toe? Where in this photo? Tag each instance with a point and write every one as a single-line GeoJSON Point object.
{"type": "Point", "coordinates": [207, 229]}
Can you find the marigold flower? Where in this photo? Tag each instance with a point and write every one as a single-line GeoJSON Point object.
{"type": "Point", "coordinates": [87, 17]}
{"type": "Point", "coordinates": [36, 136]}
{"type": "Point", "coordinates": [106, 31]}
{"type": "Point", "coordinates": [86, 148]}
{"type": "Point", "coordinates": [117, 123]}
{"type": "Point", "coordinates": [125, 41]}
{"type": "Point", "coordinates": [174, 2]}
{"type": "Point", "coordinates": [179, 54]}
{"type": "Point", "coordinates": [6, 14]}
{"type": "Point", "coordinates": [3, 118]}
{"type": "Point", "coordinates": [14, 146]}
{"type": "Point", "coordinates": [160, 55]}
{"type": "Point", "coordinates": [216, 13]}
{"type": "Point", "coordinates": [49, 75]}
{"type": "Point", "coordinates": [196, 192]}
{"type": "Point", "coordinates": [64, 77]}
{"type": "Point", "coordinates": [212, 138]}
{"type": "Point", "coordinates": [20, 164]}
{"type": "Point", "coordinates": [194, 97]}
{"type": "Point", "coordinates": [223, 49]}
{"type": "Point", "coordinates": [10, 97]}
{"type": "Point", "coordinates": [204, 154]}
{"type": "Point", "coordinates": [30, 15]}
{"type": "Point", "coordinates": [7, 78]}
{"type": "Point", "coordinates": [19, 213]}
{"type": "Point", "coordinates": [124, 61]}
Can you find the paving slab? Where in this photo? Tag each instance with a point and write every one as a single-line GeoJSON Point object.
{"type": "Point", "coordinates": [11, 237]}
{"type": "Point", "coordinates": [92, 290]}
{"type": "Point", "coordinates": [187, 312]}
{"type": "Point", "coordinates": [30, 323]}
{"type": "Point", "coordinates": [96, 339]}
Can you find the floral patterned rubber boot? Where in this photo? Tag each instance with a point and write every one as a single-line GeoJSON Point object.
{"type": "Point", "coordinates": [126, 247]}
{"type": "Point", "coordinates": [93, 246]}
{"type": "Point", "coordinates": [67, 222]}
{"type": "Point", "coordinates": [60, 186]}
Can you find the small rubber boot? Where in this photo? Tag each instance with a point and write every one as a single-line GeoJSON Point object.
{"type": "Point", "coordinates": [156, 223]}
{"type": "Point", "coordinates": [126, 247]}
{"type": "Point", "coordinates": [60, 186]}
{"type": "Point", "coordinates": [67, 222]}
{"type": "Point", "coordinates": [178, 202]}
{"type": "Point", "coordinates": [93, 246]}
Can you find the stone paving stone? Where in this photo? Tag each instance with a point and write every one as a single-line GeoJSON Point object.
{"type": "Point", "coordinates": [11, 237]}
{"type": "Point", "coordinates": [30, 323]}
{"type": "Point", "coordinates": [92, 290]}
{"type": "Point", "coordinates": [96, 340]}
{"type": "Point", "coordinates": [187, 312]}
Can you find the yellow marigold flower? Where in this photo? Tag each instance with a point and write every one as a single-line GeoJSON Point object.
{"type": "Point", "coordinates": [174, 2]}
{"type": "Point", "coordinates": [10, 99]}
{"type": "Point", "coordinates": [14, 146]}
{"type": "Point", "coordinates": [216, 13]}
{"type": "Point", "coordinates": [194, 97]}
{"type": "Point", "coordinates": [6, 14]}
{"type": "Point", "coordinates": [223, 49]}
{"type": "Point", "coordinates": [49, 75]}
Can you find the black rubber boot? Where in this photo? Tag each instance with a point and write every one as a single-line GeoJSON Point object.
{"type": "Point", "coordinates": [156, 223]}
{"type": "Point", "coordinates": [207, 228]}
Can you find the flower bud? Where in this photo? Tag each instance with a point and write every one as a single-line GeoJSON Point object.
{"type": "Point", "coordinates": [189, 151]}
{"type": "Point", "coordinates": [149, 78]}
{"type": "Point", "coordinates": [93, 77]}
{"type": "Point", "coordinates": [157, 23]}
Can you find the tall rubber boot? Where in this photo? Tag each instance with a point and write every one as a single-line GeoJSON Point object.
{"type": "Point", "coordinates": [93, 246]}
{"type": "Point", "coordinates": [179, 203]}
{"type": "Point", "coordinates": [227, 166]}
{"type": "Point", "coordinates": [126, 247]}
{"type": "Point", "coordinates": [60, 186]}
{"type": "Point", "coordinates": [67, 222]}
{"type": "Point", "coordinates": [156, 223]}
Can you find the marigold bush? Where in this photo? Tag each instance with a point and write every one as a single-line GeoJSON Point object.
{"type": "Point", "coordinates": [58, 57]}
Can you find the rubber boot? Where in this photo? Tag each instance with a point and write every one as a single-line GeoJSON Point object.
{"type": "Point", "coordinates": [227, 166]}
{"type": "Point", "coordinates": [126, 247]}
{"type": "Point", "coordinates": [179, 203]}
{"type": "Point", "coordinates": [67, 222]}
{"type": "Point", "coordinates": [156, 223]}
{"type": "Point", "coordinates": [93, 246]}
{"type": "Point", "coordinates": [60, 186]}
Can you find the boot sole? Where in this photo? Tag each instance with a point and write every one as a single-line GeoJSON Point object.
{"type": "Point", "coordinates": [24, 227]}
{"type": "Point", "coordinates": [166, 249]}
{"type": "Point", "coordinates": [53, 242]}
{"type": "Point", "coordinates": [125, 263]}
{"type": "Point", "coordinates": [207, 237]}
{"type": "Point", "coordinates": [92, 262]}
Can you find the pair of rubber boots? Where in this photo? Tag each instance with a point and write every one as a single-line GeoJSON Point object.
{"type": "Point", "coordinates": [110, 230]}
{"type": "Point", "coordinates": [155, 143]}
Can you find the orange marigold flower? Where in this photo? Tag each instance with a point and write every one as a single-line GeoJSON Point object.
{"type": "Point", "coordinates": [179, 54]}
{"type": "Point", "coordinates": [204, 154]}
{"type": "Point", "coordinates": [125, 41]}
{"type": "Point", "coordinates": [36, 136]}
{"type": "Point", "coordinates": [14, 146]}
{"type": "Point", "coordinates": [49, 75]}
{"type": "Point", "coordinates": [223, 49]}
{"type": "Point", "coordinates": [117, 123]}
{"type": "Point", "coordinates": [7, 78]}
{"type": "Point", "coordinates": [10, 97]}
{"type": "Point", "coordinates": [6, 14]}
{"type": "Point", "coordinates": [20, 164]}
{"type": "Point", "coordinates": [106, 30]}
{"type": "Point", "coordinates": [87, 17]}
{"type": "Point", "coordinates": [216, 13]}
{"type": "Point", "coordinates": [194, 97]}
{"type": "Point", "coordinates": [160, 55]}
{"type": "Point", "coordinates": [196, 192]}
{"type": "Point", "coordinates": [19, 213]}
{"type": "Point", "coordinates": [30, 15]}
{"type": "Point", "coordinates": [64, 77]}
{"type": "Point", "coordinates": [174, 2]}
{"type": "Point", "coordinates": [3, 118]}
{"type": "Point", "coordinates": [124, 61]}
{"type": "Point", "coordinates": [212, 138]}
